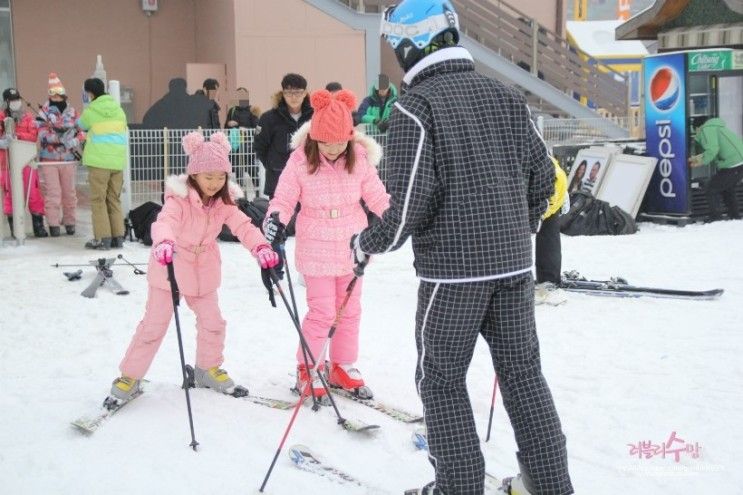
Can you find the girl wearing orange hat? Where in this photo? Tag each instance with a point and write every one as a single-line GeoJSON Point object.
{"type": "Point", "coordinates": [331, 169]}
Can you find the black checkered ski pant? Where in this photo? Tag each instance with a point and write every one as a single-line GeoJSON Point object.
{"type": "Point", "coordinates": [448, 321]}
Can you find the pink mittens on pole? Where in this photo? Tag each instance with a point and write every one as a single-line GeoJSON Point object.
{"type": "Point", "coordinates": [164, 252]}
{"type": "Point", "coordinates": [267, 257]}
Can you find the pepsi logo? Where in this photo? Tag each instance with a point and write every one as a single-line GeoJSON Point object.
{"type": "Point", "coordinates": [665, 89]}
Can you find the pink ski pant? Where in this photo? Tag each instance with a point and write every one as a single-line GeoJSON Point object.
{"type": "Point", "coordinates": [210, 332]}
{"type": "Point", "coordinates": [35, 200]}
{"type": "Point", "coordinates": [324, 297]}
{"type": "Point", "coordinates": [60, 198]}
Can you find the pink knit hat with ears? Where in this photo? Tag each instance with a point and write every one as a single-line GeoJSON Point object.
{"type": "Point", "coordinates": [207, 156]}
{"type": "Point", "coordinates": [332, 121]}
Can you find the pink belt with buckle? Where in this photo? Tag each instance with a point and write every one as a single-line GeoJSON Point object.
{"type": "Point", "coordinates": [198, 249]}
{"type": "Point", "coordinates": [326, 212]}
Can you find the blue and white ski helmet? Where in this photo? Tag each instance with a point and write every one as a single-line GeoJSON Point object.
{"type": "Point", "coordinates": [412, 25]}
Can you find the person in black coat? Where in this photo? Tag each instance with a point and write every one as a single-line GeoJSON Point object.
{"type": "Point", "coordinates": [276, 126]}
{"type": "Point", "coordinates": [210, 88]}
{"type": "Point", "coordinates": [469, 179]}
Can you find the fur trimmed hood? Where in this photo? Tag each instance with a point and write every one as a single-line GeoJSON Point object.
{"type": "Point", "coordinates": [372, 147]}
{"type": "Point", "coordinates": [175, 185]}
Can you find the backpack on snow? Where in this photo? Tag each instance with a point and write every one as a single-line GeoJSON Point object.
{"type": "Point", "coordinates": [255, 210]}
{"type": "Point", "coordinates": [591, 216]}
{"type": "Point", "coordinates": [142, 217]}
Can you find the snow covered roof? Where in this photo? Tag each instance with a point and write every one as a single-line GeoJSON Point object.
{"type": "Point", "coordinates": [596, 38]}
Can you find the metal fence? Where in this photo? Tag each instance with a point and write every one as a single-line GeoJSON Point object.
{"type": "Point", "coordinates": [154, 154]}
{"type": "Point", "coordinates": [567, 131]}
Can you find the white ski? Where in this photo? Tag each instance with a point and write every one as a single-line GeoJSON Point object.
{"type": "Point", "coordinates": [112, 405]}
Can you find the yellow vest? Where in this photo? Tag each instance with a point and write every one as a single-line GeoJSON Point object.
{"type": "Point", "coordinates": [561, 189]}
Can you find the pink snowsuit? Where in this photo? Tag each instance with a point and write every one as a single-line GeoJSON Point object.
{"type": "Point", "coordinates": [331, 213]}
{"type": "Point", "coordinates": [25, 130]}
{"type": "Point", "coordinates": [198, 269]}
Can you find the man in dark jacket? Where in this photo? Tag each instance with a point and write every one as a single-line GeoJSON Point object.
{"type": "Point", "coordinates": [210, 87]}
{"type": "Point", "coordinates": [469, 178]}
{"type": "Point", "coordinates": [276, 126]}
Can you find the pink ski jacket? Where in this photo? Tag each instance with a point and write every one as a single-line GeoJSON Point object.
{"type": "Point", "coordinates": [331, 210]}
{"type": "Point", "coordinates": [194, 229]}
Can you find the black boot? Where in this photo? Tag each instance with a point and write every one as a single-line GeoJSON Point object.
{"type": "Point", "coordinates": [117, 242]}
{"type": "Point", "coordinates": [70, 229]}
{"type": "Point", "coordinates": [37, 221]}
{"type": "Point", "coordinates": [10, 222]}
{"type": "Point", "coordinates": [54, 231]}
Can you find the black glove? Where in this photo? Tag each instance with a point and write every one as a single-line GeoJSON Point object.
{"type": "Point", "coordinates": [382, 125]}
{"type": "Point", "coordinates": [274, 230]}
{"type": "Point", "coordinates": [360, 258]}
{"type": "Point", "coordinates": [268, 283]}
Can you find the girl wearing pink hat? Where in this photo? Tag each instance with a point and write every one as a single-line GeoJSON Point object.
{"type": "Point", "coordinates": [331, 169]}
{"type": "Point", "coordinates": [196, 206]}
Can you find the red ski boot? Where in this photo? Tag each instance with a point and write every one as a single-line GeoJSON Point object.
{"type": "Point", "coordinates": [349, 378]}
{"type": "Point", "coordinates": [303, 383]}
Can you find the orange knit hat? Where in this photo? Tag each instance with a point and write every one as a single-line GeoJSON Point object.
{"type": "Point", "coordinates": [55, 85]}
{"type": "Point", "coordinates": [332, 121]}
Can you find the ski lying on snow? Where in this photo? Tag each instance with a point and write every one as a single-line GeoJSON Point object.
{"type": "Point", "coordinates": [420, 442]}
{"type": "Point", "coordinates": [619, 287]}
{"type": "Point", "coordinates": [111, 405]}
{"type": "Point", "coordinates": [391, 411]}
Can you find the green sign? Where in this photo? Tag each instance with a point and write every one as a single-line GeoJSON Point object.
{"type": "Point", "coordinates": [710, 60]}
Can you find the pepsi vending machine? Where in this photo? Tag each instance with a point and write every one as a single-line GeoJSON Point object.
{"type": "Point", "coordinates": [664, 79]}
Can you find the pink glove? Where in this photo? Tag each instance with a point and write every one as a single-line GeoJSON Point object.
{"type": "Point", "coordinates": [267, 257]}
{"type": "Point", "coordinates": [164, 252]}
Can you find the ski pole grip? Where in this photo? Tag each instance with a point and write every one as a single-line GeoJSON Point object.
{"type": "Point", "coordinates": [278, 242]}
{"type": "Point", "coordinates": [358, 269]}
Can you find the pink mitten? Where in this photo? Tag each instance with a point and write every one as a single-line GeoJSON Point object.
{"type": "Point", "coordinates": [267, 257]}
{"type": "Point", "coordinates": [164, 252]}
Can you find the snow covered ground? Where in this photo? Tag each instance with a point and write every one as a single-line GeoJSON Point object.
{"type": "Point", "coordinates": [622, 371]}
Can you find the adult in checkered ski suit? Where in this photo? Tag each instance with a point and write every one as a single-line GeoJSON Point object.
{"type": "Point", "coordinates": [469, 178]}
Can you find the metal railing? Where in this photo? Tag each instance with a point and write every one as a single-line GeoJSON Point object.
{"type": "Point", "coordinates": [155, 154]}
{"type": "Point", "coordinates": [568, 131]}
{"type": "Point", "coordinates": [518, 37]}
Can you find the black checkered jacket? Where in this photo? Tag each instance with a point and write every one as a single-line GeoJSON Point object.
{"type": "Point", "coordinates": [468, 174]}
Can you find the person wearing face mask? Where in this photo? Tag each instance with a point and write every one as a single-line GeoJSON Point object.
{"type": "Point", "coordinates": [59, 140]}
{"type": "Point", "coordinates": [25, 130]}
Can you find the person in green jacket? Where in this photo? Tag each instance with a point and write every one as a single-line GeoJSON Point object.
{"type": "Point", "coordinates": [724, 149]}
{"type": "Point", "coordinates": [105, 157]}
{"type": "Point", "coordinates": [375, 109]}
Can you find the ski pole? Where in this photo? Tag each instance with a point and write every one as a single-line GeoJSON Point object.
{"type": "Point", "coordinates": [280, 247]}
{"type": "Point", "coordinates": [492, 408]}
{"type": "Point", "coordinates": [137, 271]}
{"type": "Point", "coordinates": [62, 265]}
{"type": "Point", "coordinates": [176, 301]}
{"type": "Point", "coordinates": [306, 348]}
{"type": "Point", "coordinates": [281, 443]}
{"type": "Point", "coordinates": [308, 353]}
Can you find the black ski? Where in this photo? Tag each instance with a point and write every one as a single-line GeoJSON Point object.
{"type": "Point", "coordinates": [619, 287]}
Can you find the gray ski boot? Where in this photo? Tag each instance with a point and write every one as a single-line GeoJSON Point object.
{"type": "Point", "coordinates": [124, 388]}
{"type": "Point", "coordinates": [214, 378]}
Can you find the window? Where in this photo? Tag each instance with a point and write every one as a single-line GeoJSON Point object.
{"type": "Point", "coordinates": [7, 63]}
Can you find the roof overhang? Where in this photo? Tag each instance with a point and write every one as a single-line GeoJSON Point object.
{"type": "Point", "coordinates": [646, 24]}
